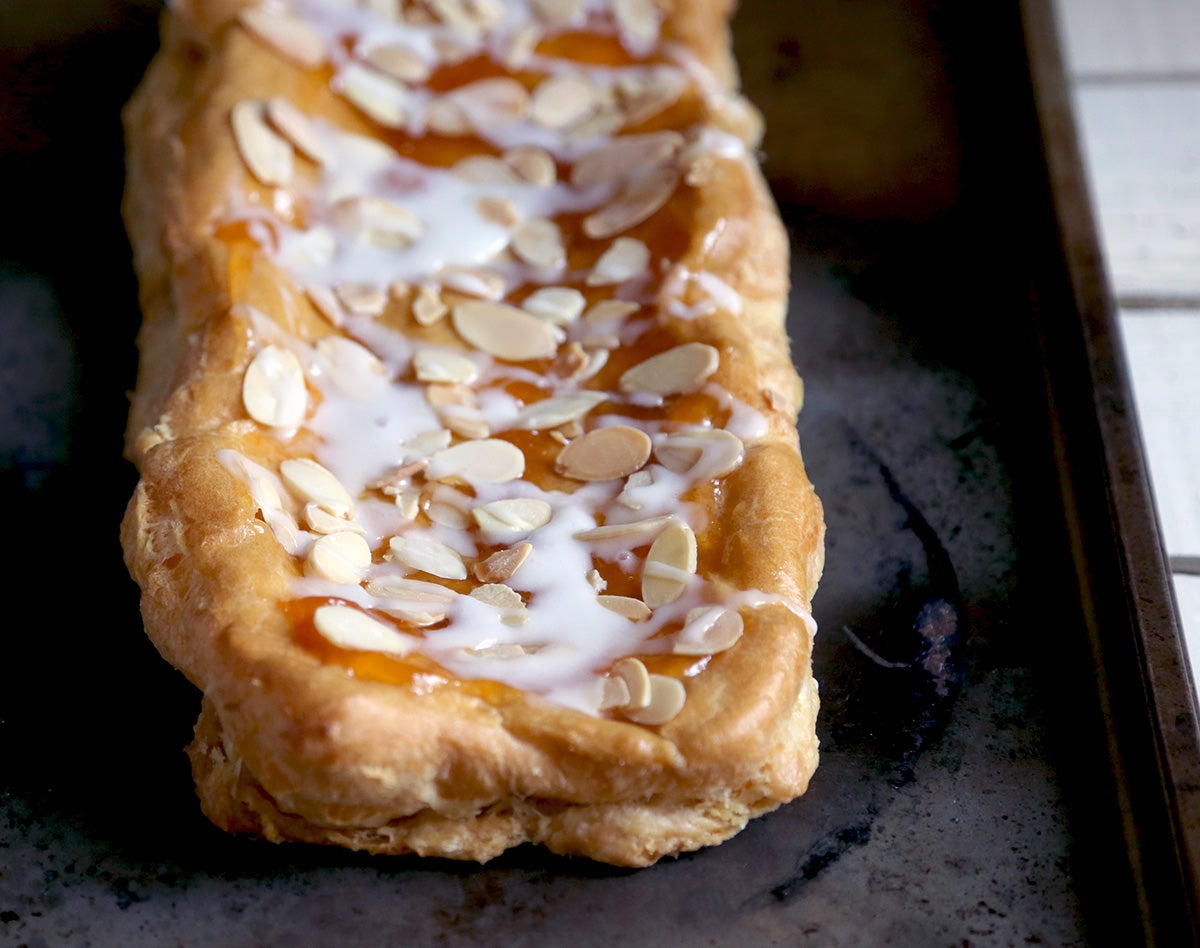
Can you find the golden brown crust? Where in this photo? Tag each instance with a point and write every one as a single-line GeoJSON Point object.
{"type": "Point", "coordinates": [291, 747]}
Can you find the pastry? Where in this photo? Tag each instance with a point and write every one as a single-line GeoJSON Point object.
{"type": "Point", "coordinates": [470, 498]}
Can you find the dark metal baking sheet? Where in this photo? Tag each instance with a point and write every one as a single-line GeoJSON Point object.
{"type": "Point", "coordinates": [968, 424]}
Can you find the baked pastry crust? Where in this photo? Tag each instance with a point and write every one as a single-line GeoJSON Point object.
{"type": "Point", "coordinates": [301, 740]}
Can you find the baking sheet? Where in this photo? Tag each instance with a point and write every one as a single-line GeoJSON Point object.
{"type": "Point", "coordinates": [966, 424]}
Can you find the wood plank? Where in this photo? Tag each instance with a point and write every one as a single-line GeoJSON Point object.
{"type": "Point", "coordinates": [1130, 37]}
{"type": "Point", "coordinates": [1141, 145]}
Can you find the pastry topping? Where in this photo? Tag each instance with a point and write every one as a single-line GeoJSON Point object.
{"type": "Point", "coordinates": [682, 369]}
{"type": "Point", "coordinates": [604, 454]}
{"type": "Point", "coordinates": [342, 557]}
{"type": "Point", "coordinates": [287, 35]}
{"type": "Point", "coordinates": [709, 630]}
{"type": "Point", "coordinates": [428, 555]}
{"type": "Point", "coordinates": [669, 566]}
{"type": "Point", "coordinates": [503, 564]}
{"type": "Point", "coordinates": [667, 698]}
{"type": "Point", "coordinates": [502, 425]}
{"type": "Point", "coordinates": [273, 388]}
{"type": "Point", "coordinates": [267, 154]}
{"type": "Point", "coordinates": [347, 627]}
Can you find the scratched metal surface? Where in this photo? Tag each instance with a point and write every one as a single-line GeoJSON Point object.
{"type": "Point", "coordinates": [963, 793]}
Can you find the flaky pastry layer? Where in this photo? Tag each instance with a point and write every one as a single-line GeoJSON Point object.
{"type": "Point", "coordinates": [316, 743]}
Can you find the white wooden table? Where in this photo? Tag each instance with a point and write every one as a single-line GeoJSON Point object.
{"type": "Point", "coordinates": [1134, 67]}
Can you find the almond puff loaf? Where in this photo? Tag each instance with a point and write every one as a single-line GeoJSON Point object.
{"type": "Point", "coordinates": [470, 495]}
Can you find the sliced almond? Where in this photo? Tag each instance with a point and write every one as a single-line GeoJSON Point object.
{"type": "Point", "coordinates": [446, 117]}
{"type": "Point", "coordinates": [645, 95]}
{"type": "Point", "coordinates": [341, 557]}
{"type": "Point", "coordinates": [538, 242]}
{"type": "Point", "coordinates": [362, 299]}
{"type": "Point", "coordinates": [558, 304]}
{"type": "Point", "coordinates": [424, 445]}
{"type": "Point", "coordinates": [378, 221]}
{"type": "Point", "coordinates": [428, 555]}
{"type": "Point", "coordinates": [487, 103]}
{"type": "Point", "coordinates": [632, 609]}
{"type": "Point", "coordinates": [629, 494]}
{"type": "Point", "coordinates": [428, 307]}
{"type": "Point", "coordinates": [501, 211]}
{"type": "Point", "coordinates": [703, 452]}
{"type": "Point", "coordinates": [596, 581]}
{"type": "Point", "coordinates": [485, 169]}
{"type": "Point", "coordinates": [637, 21]}
{"type": "Point", "coordinates": [624, 157]}
{"type": "Point", "coordinates": [636, 201]}
{"type": "Point", "coordinates": [326, 303]}
{"type": "Point", "coordinates": [637, 680]}
{"type": "Point", "coordinates": [489, 460]}
{"type": "Point", "coordinates": [709, 631]}
{"type": "Point", "coordinates": [351, 628]}
{"type": "Point", "coordinates": [482, 282]}
{"type": "Point", "coordinates": [413, 590]}
{"type": "Point", "coordinates": [669, 566]}
{"type": "Point", "coordinates": [449, 512]}
{"type": "Point", "coordinates": [634, 533]}
{"type": "Point", "coordinates": [682, 369]}
{"type": "Point", "coordinates": [267, 154]}
{"type": "Point", "coordinates": [512, 516]}
{"type": "Point", "coordinates": [533, 165]}
{"type": "Point", "coordinates": [398, 62]}
{"type": "Point", "coordinates": [667, 698]}
{"type": "Point", "coordinates": [520, 45]}
{"type": "Point", "coordinates": [558, 11]}
{"type": "Point", "coordinates": [614, 693]}
{"type": "Point", "coordinates": [503, 564]}
{"type": "Point", "coordinates": [320, 520]}
{"type": "Point", "coordinates": [504, 331]}
{"type": "Point", "coordinates": [273, 389]}
{"type": "Point", "coordinates": [625, 259]}
{"type": "Point", "coordinates": [351, 366]}
{"type": "Point", "coordinates": [312, 482]}
{"type": "Point", "coordinates": [457, 408]}
{"type": "Point", "coordinates": [442, 365]}
{"type": "Point", "coordinates": [297, 128]}
{"type": "Point", "coordinates": [604, 454]}
{"type": "Point", "coordinates": [498, 595]}
{"type": "Point", "coordinates": [557, 410]}
{"type": "Point", "coordinates": [562, 100]}
{"type": "Point", "coordinates": [286, 34]}
{"type": "Point", "coordinates": [377, 95]}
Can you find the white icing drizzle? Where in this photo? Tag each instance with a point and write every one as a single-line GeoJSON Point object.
{"type": "Point", "coordinates": [375, 427]}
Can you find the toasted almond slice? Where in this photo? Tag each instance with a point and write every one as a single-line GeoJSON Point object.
{"type": "Point", "coordinates": [267, 154]}
{"type": "Point", "coordinates": [428, 556]}
{"type": "Point", "coordinates": [428, 307]}
{"type": "Point", "coordinates": [354, 368]}
{"type": "Point", "coordinates": [482, 282]}
{"type": "Point", "coordinates": [562, 100]}
{"type": "Point", "coordinates": [624, 157]}
{"type": "Point", "coordinates": [625, 259]}
{"type": "Point", "coordinates": [578, 364]}
{"type": "Point", "coordinates": [643, 96]}
{"type": "Point", "coordinates": [456, 15]}
{"type": "Point", "coordinates": [313, 482]}
{"type": "Point", "coordinates": [709, 631]}
{"type": "Point", "coordinates": [413, 590]}
{"type": "Point", "coordinates": [512, 516]}
{"type": "Point", "coordinates": [681, 369]}
{"type": "Point", "coordinates": [412, 613]}
{"type": "Point", "coordinates": [557, 410]}
{"type": "Point", "coordinates": [490, 102]}
{"type": "Point", "coordinates": [667, 698]}
{"type": "Point", "coordinates": [538, 242]}
{"type": "Point", "coordinates": [378, 96]}
{"type": "Point", "coordinates": [596, 581]}
{"type": "Point", "coordinates": [669, 565]}
{"type": "Point", "coordinates": [326, 303]}
{"type": "Point", "coordinates": [448, 513]}
{"type": "Point", "coordinates": [398, 62]}
{"type": "Point", "coordinates": [485, 169]}
{"type": "Point", "coordinates": [286, 34]}
{"type": "Point", "coordinates": [273, 389]}
{"type": "Point", "coordinates": [442, 365]}
{"type": "Point", "coordinates": [533, 165]}
{"type": "Point", "coordinates": [503, 564]}
{"type": "Point", "coordinates": [500, 651]}
{"type": "Point", "coordinates": [320, 520]}
{"type": "Point", "coordinates": [558, 11]}
{"type": "Point", "coordinates": [558, 304]}
{"type": "Point", "coordinates": [632, 609]}
{"type": "Point", "coordinates": [636, 201]}
{"type": "Point", "coordinates": [287, 532]}
{"type": "Point", "coordinates": [520, 46]}
{"type": "Point", "coordinates": [501, 211]}
{"type": "Point", "coordinates": [703, 452]}
{"type": "Point", "coordinates": [489, 460]}
{"type": "Point", "coordinates": [498, 595]}
{"type": "Point", "coordinates": [297, 128]}
{"type": "Point", "coordinates": [378, 221]}
{"type": "Point", "coordinates": [628, 496]}
{"type": "Point", "coordinates": [446, 117]}
{"type": "Point", "coordinates": [362, 299]}
{"type": "Point", "coordinates": [341, 557]}
{"type": "Point", "coordinates": [604, 454]}
{"type": "Point", "coordinates": [638, 22]}
{"type": "Point", "coordinates": [636, 678]}
{"type": "Point", "coordinates": [350, 628]}
{"type": "Point", "coordinates": [408, 502]}
{"type": "Point", "coordinates": [614, 693]}
{"type": "Point", "coordinates": [504, 331]}
{"type": "Point", "coordinates": [635, 533]}
{"type": "Point", "coordinates": [424, 445]}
